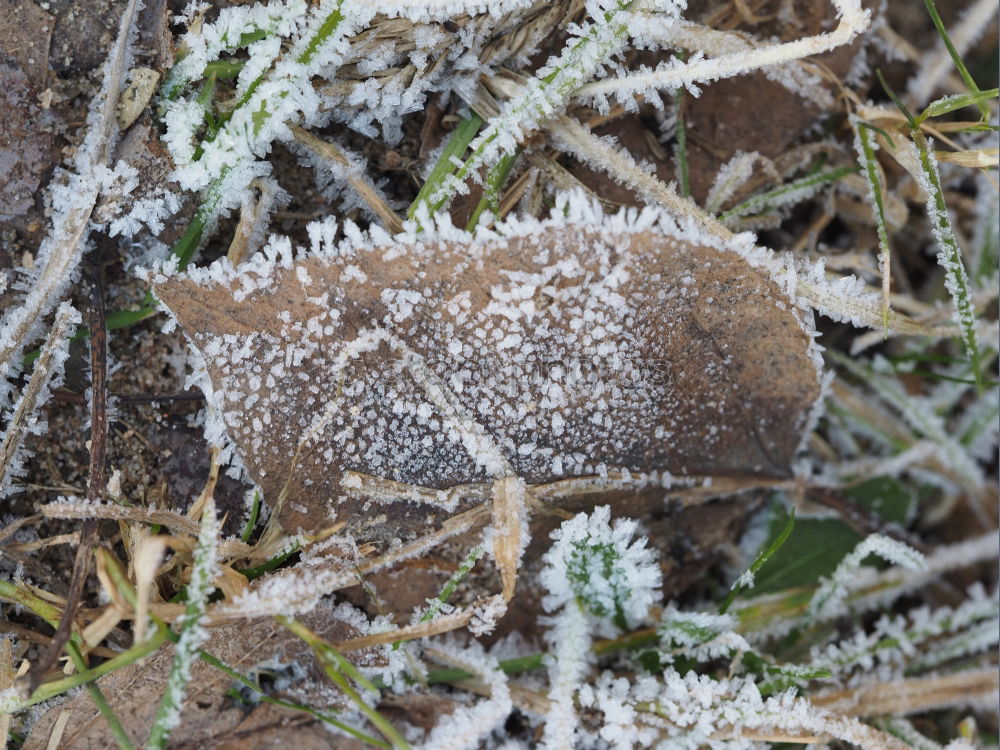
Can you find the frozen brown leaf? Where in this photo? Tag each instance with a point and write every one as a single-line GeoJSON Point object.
{"type": "Point", "coordinates": [576, 347]}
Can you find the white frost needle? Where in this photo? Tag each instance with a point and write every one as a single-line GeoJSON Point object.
{"type": "Point", "coordinates": [853, 21]}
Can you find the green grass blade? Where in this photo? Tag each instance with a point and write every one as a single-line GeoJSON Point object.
{"type": "Point", "coordinates": [97, 696]}
{"type": "Point", "coordinates": [949, 253]}
{"type": "Point", "coordinates": [947, 104]}
{"type": "Point", "coordinates": [745, 581]}
{"type": "Point", "coordinates": [495, 180]}
{"type": "Point", "coordinates": [268, 565]}
{"type": "Point", "coordinates": [252, 518]}
{"type": "Point", "coordinates": [449, 587]}
{"type": "Point", "coordinates": [956, 58]}
{"type": "Point", "coordinates": [339, 670]}
{"type": "Point", "coordinates": [454, 149]}
{"type": "Point", "coordinates": [58, 687]}
{"type": "Point", "coordinates": [896, 100]}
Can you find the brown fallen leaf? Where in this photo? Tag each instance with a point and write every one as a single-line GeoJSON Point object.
{"type": "Point", "coordinates": [569, 348]}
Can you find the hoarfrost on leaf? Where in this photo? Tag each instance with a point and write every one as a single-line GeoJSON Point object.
{"type": "Point", "coordinates": [368, 349]}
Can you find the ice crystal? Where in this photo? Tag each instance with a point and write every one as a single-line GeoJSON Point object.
{"type": "Point", "coordinates": [594, 571]}
{"type": "Point", "coordinates": [604, 567]}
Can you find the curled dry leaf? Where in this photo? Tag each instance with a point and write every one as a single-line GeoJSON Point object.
{"type": "Point", "coordinates": [576, 346]}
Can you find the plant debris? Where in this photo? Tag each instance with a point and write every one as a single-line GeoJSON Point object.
{"type": "Point", "coordinates": [587, 373]}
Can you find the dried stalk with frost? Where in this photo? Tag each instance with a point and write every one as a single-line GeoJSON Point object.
{"type": "Point", "coordinates": [861, 308]}
{"type": "Point", "coordinates": [853, 21]}
{"type": "Point", "coordinates": [63, 248]}
{"type": "Point", "coordinates": [48, 365]}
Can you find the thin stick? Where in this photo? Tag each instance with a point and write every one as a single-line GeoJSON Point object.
{"type": "Point", "coordinates": [95, 482]}
{"type": "Point", "coordinates": [51, 359]}
{"type": "Point", "coordinates": [355, 178]}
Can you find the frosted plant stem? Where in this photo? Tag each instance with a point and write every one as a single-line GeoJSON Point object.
{"type": "Point", "coordinates": [853, 21]}
{"type": "Point", "coordinates": [541, 98]}
{"type": "Point", "coordinates": [192, 633]}
{"type": "Point", "coordinates": [571, 643]}
{"type": "Point", "coordinates": [949, 253]}
{"type": "Point", "coordinates": [356, 178]}
{"type": "Point", "coordinates": [53, 355]}
{"type": "Point", "coordinates": [63, 247]}
{"type": "Point", "coordinates": [865, 147]}
{"type": "Point", "coordinates": [578, 139]}
{"type": "Point", "coordinates": [937, 65]}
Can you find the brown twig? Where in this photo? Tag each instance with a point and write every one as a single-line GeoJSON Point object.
{"type": "Point", "coordinates": [96, 478]}
{"type": "Point", "coordinates": [69, 397]}
{"type": "Point", "coordinates": [332, 154]}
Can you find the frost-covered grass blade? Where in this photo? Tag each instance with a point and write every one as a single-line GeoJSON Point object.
{"type": "Point", "coordinates": [746, 580]}
{"type": "Point", "coordinates": [788, 194]}
{"type": "Point", "coordinates": [192, 632]}
{"type": "Point", "coordinates": [542, 97]}
{"type": "Point", "coordinates": [949, 253]}
{"type": "Point", "coordinates": [963, 71]}
{"type": "Point", "coordinates": [865, 147]}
